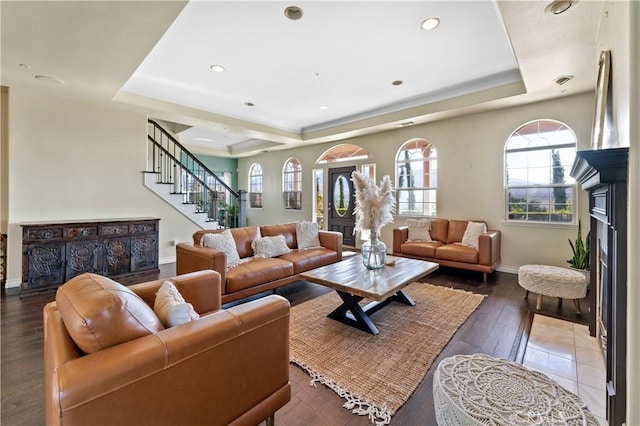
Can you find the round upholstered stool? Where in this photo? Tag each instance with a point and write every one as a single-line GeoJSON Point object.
{"type": "Point", "coordinates": [553, 281]}
{"type": "Point", "coordinates": [482, 390]}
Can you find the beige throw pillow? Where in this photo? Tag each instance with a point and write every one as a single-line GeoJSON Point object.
{"type": "Point", "coordinates": [171, 307]}
{"type": "Point", "coordinates": [223, 241]}
{"type": "Point", "coordinates": [307, 235]}
{"type": "Point", "coordinates": [419, 230]}
{"type": "Point", "coordinates": [472, 234]}
{"type": "Point", "coordinates": [270, 246]}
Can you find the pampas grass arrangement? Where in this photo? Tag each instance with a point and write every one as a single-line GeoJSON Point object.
{"type": "Point", "coordinates": [374, 205]}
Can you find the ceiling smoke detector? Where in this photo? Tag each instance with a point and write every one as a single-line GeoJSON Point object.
{"type": "Point", "coordinates": [559, 6]}
{"type": "Point", "coordinates": [293, 12]}
{"type": "Point", "coordinates": [562, 79]}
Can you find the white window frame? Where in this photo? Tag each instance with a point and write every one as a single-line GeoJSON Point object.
{"type": "Point", "coordinates": [292, 184]}
{"type": "Point", "coordinates": [257, 186]}
{"type": "Point", "coordinates": [427, 195]}
{"type": "Point", "coordinates": [532, 217]}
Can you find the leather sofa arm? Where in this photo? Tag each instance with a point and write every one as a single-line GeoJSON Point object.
{"type": "Point", "coordinates": [192, 258]}
{"type": "Point", "coordinates": [331, 240]}
{"type": "Point", "coordinates": [181, 375]}
{"type": "Point", "coordinates": [400, 236]}
{"type": "Point", "coordinates": [201, 289]}
{"type": "Point", "coordinates": [489, 248]}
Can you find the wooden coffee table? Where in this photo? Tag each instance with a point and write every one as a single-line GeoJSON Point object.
{"type": "Point", "coordinates": [354, 282]}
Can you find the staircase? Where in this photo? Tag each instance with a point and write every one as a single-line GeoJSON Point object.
{"type": "Point", "coordinates": [178, 177]}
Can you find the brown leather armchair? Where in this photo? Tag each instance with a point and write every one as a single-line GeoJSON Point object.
{"type": "Point", "coordinates": [229, 366]}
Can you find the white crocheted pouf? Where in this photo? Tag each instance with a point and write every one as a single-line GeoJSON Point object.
{"type": "Point", "coordinates": [553, 281]}
{"type": "Point", "coordinates": [482, 390]}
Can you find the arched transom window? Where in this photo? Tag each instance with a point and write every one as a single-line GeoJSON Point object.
{"type": "Point", "coordinates": [255, 186]}
{"type": "Point", "coordinates": [292, 184]}
{"type": "Point", "coordinates": [416, 178]}
{"type": "Point", "coordinates": [538, 159]}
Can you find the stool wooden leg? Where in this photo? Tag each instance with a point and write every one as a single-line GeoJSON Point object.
{"type": "Point", "coordinates": [539, 302]}
{"type": "Point", "coordinates": [526, 295]}
{"type": "Point", "coordinates": [577, 303]}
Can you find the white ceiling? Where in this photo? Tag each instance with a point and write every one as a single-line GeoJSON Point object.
{"type": "Point", "coordinates": [155, 56]}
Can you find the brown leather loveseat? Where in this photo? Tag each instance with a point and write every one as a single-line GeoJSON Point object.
{"type": "Point", "coordinates": [109, 361]}
{"type": "Point", "coordinates": [256, 274]}
{"type": "Point", "coordinates": [446, 248]}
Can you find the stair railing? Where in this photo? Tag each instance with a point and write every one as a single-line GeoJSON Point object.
{"type": "Point", "coordinates": [210, 195]}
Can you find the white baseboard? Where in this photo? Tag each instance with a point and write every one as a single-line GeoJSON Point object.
{"type": "Point", "coordinates": [508, 269]}
{"type": "Point", "coordinates": [13, 283]}
{"type": "Point", "coordinates": [165, 260]}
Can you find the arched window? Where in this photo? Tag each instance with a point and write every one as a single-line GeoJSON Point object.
{"type": "Point", "coordinates": [537, 160]}
{"type": "Point", "coordinates": [343, 152]}
{"type": "Point", "coordinates": [255, 186]}
{"type": "Point", "coordinates": [416, 178]}
{"type": "Point", "coordinates": [292, 184]}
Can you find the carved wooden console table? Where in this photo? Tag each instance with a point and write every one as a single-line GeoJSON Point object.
{"type": "Point", "coordinates": [53, 253]}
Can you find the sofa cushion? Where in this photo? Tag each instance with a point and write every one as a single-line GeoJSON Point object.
{"type": "Point", "coordinates": [419, 229]}
{"type": "Point", "coordinates": [311, 258]}
{"type": "Point", "coordinates": [456, 231]}
{"type": "Point", "coordinates": [244, 237]}
{"type": "Point", "coordinates": [439, 230]}
{"type": "Point", "coordinates": [99, 313]}
{"type": "Point", "coordinates": [257, 271]}
{"type": "Point", "coordinates": [270, 246]}
{"type": "Point", "coordinates": [288, 230]}
{"type": "Point", "coordinates": [307, 235]}
{"type": "Point", "coordinates": [472, 234]}
{"type": "Point", "coordinates": [421, 248]}
{"type": "Point", "coordinates": [171, 308]}
{"type": "Point", "coordinates": [457, 253]}
{"type": "Point", "coordinates": [225, 242]}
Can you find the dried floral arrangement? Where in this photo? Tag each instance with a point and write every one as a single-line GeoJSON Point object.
{"type": "Point", "coordinates": [375, 205]}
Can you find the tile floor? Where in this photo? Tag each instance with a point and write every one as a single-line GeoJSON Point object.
{"type": "Point", "coordinates": [565, 352]}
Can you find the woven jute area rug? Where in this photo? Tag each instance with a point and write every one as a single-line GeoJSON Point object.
{"type": "Point", "coordinates": [376, 375]}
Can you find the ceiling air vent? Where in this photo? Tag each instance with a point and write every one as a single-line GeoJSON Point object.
{"type": "Point", "coordinates": [562, 80]}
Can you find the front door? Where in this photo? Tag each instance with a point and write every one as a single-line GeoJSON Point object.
{"type": "Point", "coordinates": [340, 204]}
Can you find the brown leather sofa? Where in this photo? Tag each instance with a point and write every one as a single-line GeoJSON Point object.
{"type": "Point", "coordinates": [227, 367]}
{"type": "Point", "coordinates": [258, 274]}
{"type": "Point", "coordinates": [446, 250]}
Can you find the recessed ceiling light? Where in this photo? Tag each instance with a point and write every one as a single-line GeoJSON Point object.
{"type": "Point", "coordinates": [48, 79]}
{"type": "Point", "coordinates": [293, 12]}
{"type": "Point", "coordinates": [405, 124]}
{"type": "Point", "coordinates": [562, 79]}
{"type": "Point", "coordinates": [559, 6]}
{"type": "Point", "coordinates": [217, 68]}
{"type": "Point", "coordinates": [324, 107]}
{"type": "Point", "coordinates": [25, 66]}
{"type": "Point", "coordinates": [397, 82]}
{"type": "Point", "coordinates": [430, 23]}
{"type": "Point", "coordinates": [249, 104]}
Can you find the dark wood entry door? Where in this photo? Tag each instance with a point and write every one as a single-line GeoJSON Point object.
{"type": "Point", "coordinates": [340, 204]}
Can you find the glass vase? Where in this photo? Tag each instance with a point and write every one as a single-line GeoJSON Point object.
{"type": "Point", "coordinates": [374, 252]}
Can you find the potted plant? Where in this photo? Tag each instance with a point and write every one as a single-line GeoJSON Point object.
{"type": "Point", "coordinates": [581, 252]}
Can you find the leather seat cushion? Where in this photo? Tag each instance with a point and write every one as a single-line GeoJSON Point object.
{"type": "Point", "coordinates": [99, 313]}
{"type": "Point", "coordinates": [257, 271]}
{"type": "Point", "coordinates": [421, 248]}
{"type": "Point", "coordinates": [307, 259]}
{"type": "Point", "coordinates": [457, 253]}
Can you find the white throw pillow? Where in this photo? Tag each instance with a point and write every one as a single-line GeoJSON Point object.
{"type": "Point", "coordinates": [270, 246]}
{"type": "Point", "coordinates": [472, 234]}
{"type": "Point", "coordinates": [419, 230]}
{"type": "Point", "coordinates": [171, 308]}
{"type": "Point", "coordinates": [307, 235]}
{"type": "Point", "coordinates": [223, 241]}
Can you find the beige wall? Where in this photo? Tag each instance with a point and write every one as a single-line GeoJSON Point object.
{"type": "Point", "coordinates": [4, 158]}
{"type": "Point", "coordinates": [470, 174]}
{"type": "Point", "coordinates": [73, 160]}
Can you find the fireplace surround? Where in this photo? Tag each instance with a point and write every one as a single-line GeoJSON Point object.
{"type": "Point", "coordinates": [604, 173]}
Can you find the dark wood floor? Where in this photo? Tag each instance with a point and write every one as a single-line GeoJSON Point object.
{"type": "Point", "coordinates": [496, 328]}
